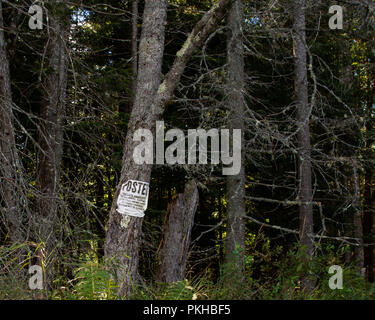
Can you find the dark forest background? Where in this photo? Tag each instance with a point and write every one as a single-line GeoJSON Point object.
{"type": "Point", "coordinates": [67, 98]}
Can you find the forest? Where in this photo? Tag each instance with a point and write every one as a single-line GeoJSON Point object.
{"type": "Point", "coordinates": [187, 149]}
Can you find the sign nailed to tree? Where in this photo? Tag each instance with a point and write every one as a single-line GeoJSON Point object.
{"type": "Point", "coordinates": [133, 198]}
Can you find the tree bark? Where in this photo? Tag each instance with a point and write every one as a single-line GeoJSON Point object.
{"type": "Point", "coordinates": [10, 167]}
{"type": "Point", "coordinates": [122, 242]}
{"type": "Point", "coordinates": [357, 220]}
{"type": "Point", "coordinates": [235, 240]}
{"type": "Point", "coordinates": [368, 192]}
{"type": "Point", "coordinates": [303, 127]}
{"type": "Point", "coordinates": [134, 44]}
{"type": "Point", "coordinates": [50, 138]}
{"type": "Point", "coordinates": [367, 225]}
{"type": "Point", "coordinates": [177, 234]}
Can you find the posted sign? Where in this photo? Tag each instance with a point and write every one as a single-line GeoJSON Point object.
{"type": "Point", "coordinates": [133, 198]}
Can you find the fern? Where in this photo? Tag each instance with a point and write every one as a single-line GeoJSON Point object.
{"type": "Point", "coordinates": [94, 282]}
{"type": "Point", "coordinates": [179, 290]}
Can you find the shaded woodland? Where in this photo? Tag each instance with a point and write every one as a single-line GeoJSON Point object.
{"type": "Point", "coordinates": [75, 89]}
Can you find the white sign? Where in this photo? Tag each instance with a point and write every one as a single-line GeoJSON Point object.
{"type": "Point", "coordinates": [133, 198]}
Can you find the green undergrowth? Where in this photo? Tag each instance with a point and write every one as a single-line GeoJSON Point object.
{"type": "Point", "coordinates": [260, 275]}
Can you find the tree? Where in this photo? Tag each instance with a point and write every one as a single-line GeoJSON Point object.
{"type": "Point", "coordinates": [10, 166]}
{"type": "Point", "coordinates": [134, 43]}
{"type": "Point", "coordinates": [357, 220]}
{"type": "Point", "coordinates": [122, 243]}
{"type": "Point", "coordinates": [236, 211]}
{"type": "Point", "coordinates": [125, 240]}
{"type": "Point", "coordinates": [176, 234]}
{"type": "Point", "coordinates": [303, 135]}
{"type": "Point", "coordinates": [50, 134]}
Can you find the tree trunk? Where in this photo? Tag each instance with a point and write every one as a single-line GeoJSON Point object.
{"type": "Point", "coordinates": [50, 139]}
{"type": "Point", "coordinates": [367, 225]}
{"type": "Point", "coordinates": [177, 234]}
{"type": "Point", "coordinates": [122, 239]}
{"type": "Point", "coordinates": [134, 44]}
{"type": "Point", "coordinates": [235, 240]}
{"type": "Point", "coordinates": [122, 243]}
{"type": "Point", "coordinates": [304, 147]}
{"type": "Point", "coordinates": [368, 193]}
{"type": "Point", "coordinates": [10, 167]}
{"type": "Point", "coordinates": [357, 220]}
